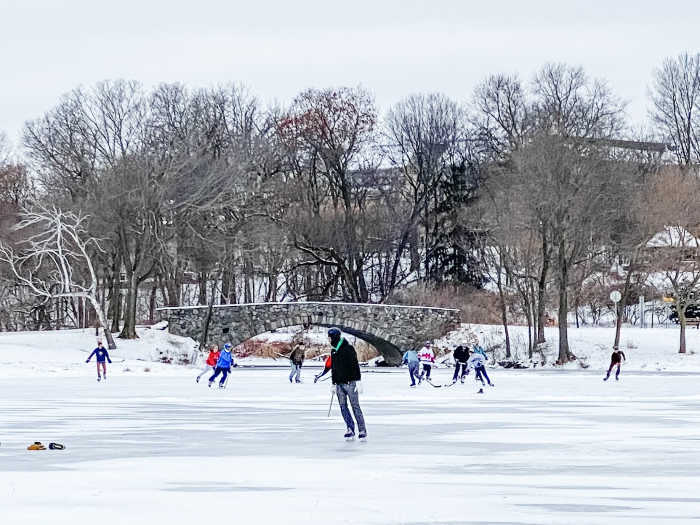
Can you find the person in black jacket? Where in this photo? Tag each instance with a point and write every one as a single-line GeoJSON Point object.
{"type": "Point", "coordinates": [345, 373]}
{"type": "Point", "coordinates": [461, 356]}
{"type": "Point", "coordinates": [615, 361]}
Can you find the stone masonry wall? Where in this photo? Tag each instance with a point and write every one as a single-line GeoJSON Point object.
{"type": "Point", "coordinates": [391, 329]}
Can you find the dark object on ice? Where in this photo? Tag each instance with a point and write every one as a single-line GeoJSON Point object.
{"type": "Point", "coordinates": [56, 446]}
{"type": "Point", "coordinates": [512, 364]}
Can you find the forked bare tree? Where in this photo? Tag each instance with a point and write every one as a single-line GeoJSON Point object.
{"type": "Point", "coordinates": [56, 261]}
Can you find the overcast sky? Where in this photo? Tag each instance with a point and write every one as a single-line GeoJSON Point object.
{"type": "Point", "coordinates": [392, 47]}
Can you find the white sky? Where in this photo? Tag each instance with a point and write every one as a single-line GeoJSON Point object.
{"type": "Point", "coordinates": [392, 47]}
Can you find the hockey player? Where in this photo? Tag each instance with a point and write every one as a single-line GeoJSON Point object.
{"type": "Point", "coordinates": [296, 359]}
{"type": "Point", "coordinates": [101, 355]}
{"type": "Point", "coordinates": [410, 358]}
{"type": "Point", "coordinates": [477, 361]}
{"type": "Point", "coordinates": [326, 368]}
{"type": "Point", "coordinates": [427, 359]}
{"type": "Point", "coordinates": [461, 356]}
{"type": "Point", "coordinates": [212, 358]}
{"type": "Point", "coordinates": [479, 350]}
{"type": "Point", "coordinates": [223, 364]}
{"type": "Point", "coordinates": [615, 360]}
{"type": "Point", "coordinates": [345, 374]}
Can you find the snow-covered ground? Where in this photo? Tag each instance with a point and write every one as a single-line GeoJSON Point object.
{"type": "Point", "coordinates": [645, 348]}
{"type": "Point", "coordinates": [541, 447]}
{"type": "Point", "coordinates": [64, 352]}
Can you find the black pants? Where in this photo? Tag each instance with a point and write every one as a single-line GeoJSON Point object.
{"type": "Point", "coordinates": [217, 372]}
{"type": "Point", "coordinates": [426, 371]}
{"type": "Point", "coordinates": [458, 374]}
{"type": "Point", "coordinates": [613, 365]}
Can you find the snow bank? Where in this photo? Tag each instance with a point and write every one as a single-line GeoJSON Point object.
{"type": "Point", "coordinates": [65, 352]}
{"type": "Point", "coordinates": [645, 348]}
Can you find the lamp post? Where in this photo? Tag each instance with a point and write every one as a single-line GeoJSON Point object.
{"type": "Point", "coordinates": [615, 297]}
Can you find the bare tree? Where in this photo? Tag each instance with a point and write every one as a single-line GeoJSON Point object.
{"type": "Point", "coordinates": [58, 259]}
{"type": "Point", "coordinates": [675, 96]}
{"type": "Point", "coordinates": [674, 251]}
{"type": "Point", "coordinates": [326, 133]}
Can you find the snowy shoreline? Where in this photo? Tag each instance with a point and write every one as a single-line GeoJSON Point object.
{"type": "Point", "coordinates": [64, 352]}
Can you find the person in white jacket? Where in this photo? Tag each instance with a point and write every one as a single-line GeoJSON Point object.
{"type": "Point", "coordinates": [477, 362]}
{"type": "Point", "coordinates": [427, 359]}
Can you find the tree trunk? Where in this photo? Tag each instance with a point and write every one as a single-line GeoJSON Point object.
{"type": "Point", "coordinates": [504, 311]}
{"type": "Point", "coordinates": [115, 300]}
{"type": "Point", "coordinates": [541, 292]}
{"type": "Point", "coordinates": [564, 354]}
{"type": "Point", "coordinates": [225, 287]}
{"type": "Point", "coordinates": [203, 278]}
{"type": "Point", "coordinates": [103, 322]}
{"type": "Point", "coordinates": [620, 306]}
{"type": "Point", "coordinates": [129, 328]}
{"type": "Point", "coordinates": [152, 303]}
{"type": "Point", "coordinates": [618, 321]}
{"type": "Point", "coordinates": [682, 322]}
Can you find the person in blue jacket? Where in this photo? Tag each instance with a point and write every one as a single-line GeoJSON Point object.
{"type": "Point", "coordinates": [101, 355]}
{"type": "Point", "coordinates": [224, 365]}
{"type": "Point", "coordinates": [410, 358]}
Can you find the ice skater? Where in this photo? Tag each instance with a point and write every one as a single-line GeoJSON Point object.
{"type": "Point", "coordinates": [461, 356]}
{"type": "Point", "coordinates": [477, 361]}
{"type": "Point", "coordinates": [296, 359]}
{"type": "Point", "coordinates": [101, 355]}
{"type": "Point", "coordinates": [410, 358]}
{"type": "Point", "coordinates": [615, 360]}
{"type": "Point", "coordinates": [345, 374]}
{"type": "Point", "coordinates": [326, 368]}
{"type": "Point", "coordinates": [427, 359]}
{"type": "Point", "coordinates": [212, 358]}
{"type": "Point", "coordinates": [223, 365]}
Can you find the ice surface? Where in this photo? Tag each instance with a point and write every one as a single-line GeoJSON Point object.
{"type": "Point", "coordinates": [542, 447]}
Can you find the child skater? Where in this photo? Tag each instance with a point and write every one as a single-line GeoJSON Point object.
{"type": "Point", "coordinates": [212, 358]}
{"type": "Point", "coordinates": [101, 355]}
{"type": "Point", "coordinates": [223, 364]}
{"type": "Point", "coordinates": [615, 360]}
{"type": "Point", "coordinates": [477, 361]}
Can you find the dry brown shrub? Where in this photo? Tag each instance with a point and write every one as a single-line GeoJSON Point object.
{"type": "Point", "coordinates": [476, 306]}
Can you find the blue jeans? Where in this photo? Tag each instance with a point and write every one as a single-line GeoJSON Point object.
{"type": "Point", "coordinates": [217, 372]}
{"type": "Point", "coordinates": [413, 372]}
{"type": "Point", "coordinates": [479, 371]}
{"type": "Point", "coordinates": [346, 391]}
{"type": "Point", "coordinates": [296, 371]}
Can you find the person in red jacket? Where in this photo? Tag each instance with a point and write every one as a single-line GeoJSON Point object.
{"type": "Point", "coordinates": [326, 368]}
{"type": "Point", "coordinates": [211, 361]}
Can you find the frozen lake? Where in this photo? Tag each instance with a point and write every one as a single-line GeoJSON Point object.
{"type": "Point", "coordinates": [541, 447]}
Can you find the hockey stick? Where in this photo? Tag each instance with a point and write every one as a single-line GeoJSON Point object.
{"type": "Point", "coordinates": [331, 405]}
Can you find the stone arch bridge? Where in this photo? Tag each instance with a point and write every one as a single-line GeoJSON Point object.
{"type": "Point", "coordinates": [389, 328]}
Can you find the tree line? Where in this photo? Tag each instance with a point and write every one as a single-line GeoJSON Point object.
{"type": "Point", "coordinates": [204, 196]}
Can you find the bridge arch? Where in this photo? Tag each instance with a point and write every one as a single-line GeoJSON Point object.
{"type": "Point", "coordinates": [389, 328]}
